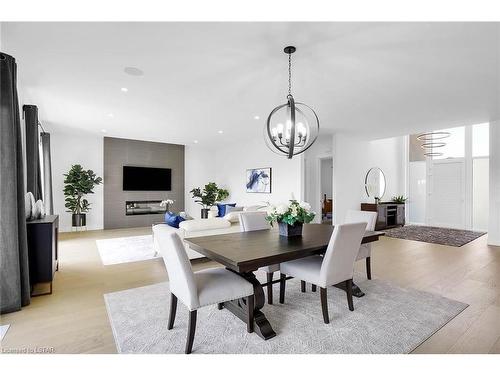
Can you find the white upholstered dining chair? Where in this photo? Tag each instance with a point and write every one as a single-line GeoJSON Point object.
{"type": "Point", "coordinates": [198, 289]}
{"type": "Point", "coordinates": [250, 221]}
{"type": "Point", "coordinates": [365, 249]}
{"type": "Point", "coordinates": [336, 266]}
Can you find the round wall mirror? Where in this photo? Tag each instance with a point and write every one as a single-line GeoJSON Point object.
{"type": "Point", "coordinates": [375, 183]}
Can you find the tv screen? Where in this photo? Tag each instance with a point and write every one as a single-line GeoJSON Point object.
{"type": "Point", "coordinates": [142, 178]}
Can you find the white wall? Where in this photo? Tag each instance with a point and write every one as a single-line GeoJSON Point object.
{"type": "Point", "coordinates": [352, 158]}
{"type": "Point", "coordinates": [199, 170]}
{"type": "Point", "coordinates": [70, 148]}
{"type": "Point", "coordinates": [326, 174]}
{"type": "Point", "coordinates": [494, 216]}
{"type": "Point", "coordinates": [87, 149]}
{"type": "Point", "coordinates": [232, 162]}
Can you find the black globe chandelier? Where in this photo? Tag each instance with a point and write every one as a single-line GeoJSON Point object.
{"type": "Point", "coordinates": [292, 127]}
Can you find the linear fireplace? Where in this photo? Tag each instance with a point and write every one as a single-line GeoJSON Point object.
{"type": "Point", "coordinates": [143, 208]}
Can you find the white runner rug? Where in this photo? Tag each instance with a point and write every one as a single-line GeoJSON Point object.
{"type": "Point", "coordinates": [126, 249]}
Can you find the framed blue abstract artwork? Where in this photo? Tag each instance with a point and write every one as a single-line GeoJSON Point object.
{"type": "Point", "coordinates": [259, 180]}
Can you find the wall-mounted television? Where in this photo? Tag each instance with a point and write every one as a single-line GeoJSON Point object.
{"type": "Point", "coordinates": [147, 179]}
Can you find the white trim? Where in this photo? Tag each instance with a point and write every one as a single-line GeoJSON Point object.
{"type": "Point", "coordinates": [468, 177]}
{"type": "Point", "coordinates": [407, 175]}
{"type": "Point", "coordinates": [319, 158]}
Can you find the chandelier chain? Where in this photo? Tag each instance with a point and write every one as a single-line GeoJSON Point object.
{"type": "Point", "coordinates": [289, 74]}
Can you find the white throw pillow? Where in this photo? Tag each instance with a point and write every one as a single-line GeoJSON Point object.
{"type": "Point", "coordinates": [233, 217]}
{"type": "Point", "coordinates": [36, 213]}
{"type": "Point", "coordinates": [29, 200]}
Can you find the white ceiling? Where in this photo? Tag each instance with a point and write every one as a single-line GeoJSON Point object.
{"type": "Point", "coordinates": [376, 79]}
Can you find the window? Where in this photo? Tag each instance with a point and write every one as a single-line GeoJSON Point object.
{"type": "Point", "coordinates": [480, 140]}
{"type": "Point", "coordinates": [455, 144]}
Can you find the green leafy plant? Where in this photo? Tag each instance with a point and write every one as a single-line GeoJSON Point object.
{"type": "Point", "coordinates": [77, 183]}
{"type": "Point", "coordinates": [294, 212]}
{"type": "Point", "coordinates": [399, 199]}
{"type": "Point", "coordinates": [210, 194]}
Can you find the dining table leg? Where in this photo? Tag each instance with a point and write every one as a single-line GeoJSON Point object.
{"type": "Point", "coordinates": [239, 308]}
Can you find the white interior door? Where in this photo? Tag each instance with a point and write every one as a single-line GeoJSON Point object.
{"type": "Point", "coordinates": [446, 206]}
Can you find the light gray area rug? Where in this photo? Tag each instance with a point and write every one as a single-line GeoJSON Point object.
{"type": "Point", "coordinates": [126, 249]}
{"type": "Point", "coordinates": [3, 331]}
{"type": "Point", "coordinates": [388, 319]}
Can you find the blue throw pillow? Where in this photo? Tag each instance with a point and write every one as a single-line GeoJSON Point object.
{"type": "Point", "coordinates": [222, 208]}
{"type": "Point", "coordinates": [173, 220]}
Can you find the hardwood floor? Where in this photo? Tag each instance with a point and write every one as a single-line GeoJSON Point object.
{"type": "Point", "coordinates": [74, 320]}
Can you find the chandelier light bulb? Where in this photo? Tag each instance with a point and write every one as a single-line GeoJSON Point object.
{"type": "Point", "coordinates": [280, 129]}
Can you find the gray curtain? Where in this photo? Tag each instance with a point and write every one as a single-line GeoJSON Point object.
{"type": "Point", "coordinates": [14, 287]}
{"type": "Point", "coordinates": [47, 174]}
{"type": "Point", "coordinates": [33, 173]}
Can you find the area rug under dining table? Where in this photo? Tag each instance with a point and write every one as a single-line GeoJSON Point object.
{"type": "Point", "coordinates": [388, 319]}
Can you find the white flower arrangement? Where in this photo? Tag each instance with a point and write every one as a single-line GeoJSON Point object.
{"type": "Point", "coordinates": [166, 203]}
{"type": "Point", "coordinates": [294, 212]}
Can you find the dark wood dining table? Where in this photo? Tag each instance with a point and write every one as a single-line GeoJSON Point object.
{"type": "Point", "coordinates": [245, 252]}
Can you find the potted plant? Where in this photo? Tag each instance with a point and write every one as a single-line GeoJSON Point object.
{"type": "Point", "coordinates": [291, 217]}
{"type": "Point", "coordinates": [207, 197]}
{"type": "Point", "coordinates": [400, 199]}
{"type": "Point", "coordinates": [77, 183]}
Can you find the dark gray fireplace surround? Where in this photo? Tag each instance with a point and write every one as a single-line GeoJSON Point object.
{"type": "Point", "coordinates": [119, 152]}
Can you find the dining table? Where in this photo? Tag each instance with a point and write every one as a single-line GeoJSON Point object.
{"type": "Point", "coordinates": [245, 252]}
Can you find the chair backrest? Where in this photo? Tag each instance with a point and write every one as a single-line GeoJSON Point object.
{"type": "Point", "coordinates": [253, 221]}
{"type": "Point", "coordinates": [355, 216]}
{"type": "Point", "coordinates": [341, 253]}
{"type": "Point", "coordinates": [180, 273]}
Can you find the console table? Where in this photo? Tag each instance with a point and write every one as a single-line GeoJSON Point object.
{"type": "Point", "coordinates": [42, 250]}
{"type": "Point", "coordinates": [389, 214]}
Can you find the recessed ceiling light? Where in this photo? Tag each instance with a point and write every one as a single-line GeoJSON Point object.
{"type": "Point", "coordinates": [124, 89]}
{"type": "Point", "coordinates": [103, 130]}
{"type": "Point", "coordinates": [111, 115]}
{"type": "Point", "coordinates": [133, 71]}
{"type": "Point", "coordinates": [256, 117]}
{"type": "Point", "coordinates": [220, 132]}
{"type": "Point", "coordinates": [195, 141]}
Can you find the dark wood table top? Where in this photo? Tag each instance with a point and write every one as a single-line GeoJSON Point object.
{"type": "Point", "coordinates": [248, 251]}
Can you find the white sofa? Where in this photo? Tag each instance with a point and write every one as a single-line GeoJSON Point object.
{"type": "Point", "coordinates": [210, 227]}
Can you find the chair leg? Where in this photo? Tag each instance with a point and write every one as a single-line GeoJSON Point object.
{"type": "Point", "coordinates": [368, 268]}
{"type": "Point", "coordinates": [270, 288]}
{"type": "Point", "coordinates": [220, 305]}
{"type": "Point", "coordinates": [250, 307]}
{"type": "Point", "coordinates": [191, 331]}
{"type": "Point", "coordinates": [282, 287]}
{"type": "Point", "coordinates": [173, 310]}
{"type": "Point", "coordinates": [313, 287]}
{"type": "Point", "coordinates": [324, 305]}
{"type": "Point", "coordinates": [302, 286]}
{"type": "Point", "coordinates": [348, 288]}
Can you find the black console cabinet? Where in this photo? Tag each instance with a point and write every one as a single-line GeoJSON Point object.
{"type": "Point", "coordinates": [389, 214]}
{"type": "Point", "coordinates": [42, 249]}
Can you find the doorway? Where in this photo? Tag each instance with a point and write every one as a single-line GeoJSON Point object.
{"type": "Point", "coordinates": [325, 184]}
